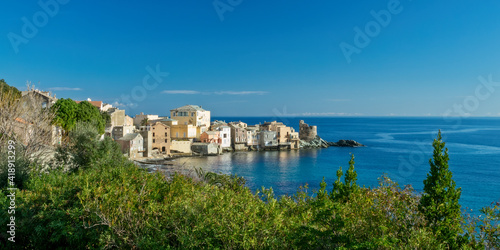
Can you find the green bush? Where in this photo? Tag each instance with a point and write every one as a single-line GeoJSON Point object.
{"type": "Point", "coordinates": [23, 168]}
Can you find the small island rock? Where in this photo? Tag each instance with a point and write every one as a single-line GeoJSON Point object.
{"type": "Point", "coordinates": [346, 143]}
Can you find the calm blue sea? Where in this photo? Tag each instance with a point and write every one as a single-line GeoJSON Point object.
{"type": "Point", "coordinates": [398, 147]}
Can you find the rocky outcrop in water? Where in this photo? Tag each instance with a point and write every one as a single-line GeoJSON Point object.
{"type": "Point", "coordinates": [346, 143]}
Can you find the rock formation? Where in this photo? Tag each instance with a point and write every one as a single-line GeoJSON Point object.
{"type": "Point", "coordinates": [346, 143]}
{"type": "Point", "coordinates": [317, 142]}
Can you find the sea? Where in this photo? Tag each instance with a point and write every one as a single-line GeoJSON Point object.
{"type": "Point", "coordinates": [397, 147]}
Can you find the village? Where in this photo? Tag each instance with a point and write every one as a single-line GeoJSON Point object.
{"type": "Point", "coordinates": [189, 131]}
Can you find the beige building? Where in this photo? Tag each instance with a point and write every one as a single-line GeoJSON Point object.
{"type": "Point", "coordinates": [117, 117]}
{"type": "Point", "coordinates": [161, 139]}
{"type": "Point", "coordinates": [191, 114]}
{"type": "Point", "coordinates": [181, 131]}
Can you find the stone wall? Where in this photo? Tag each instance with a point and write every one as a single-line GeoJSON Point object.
{"type": "Point", "coordinates": [307, 133]}
{"type": "Point", "coordinates": [181, 146]}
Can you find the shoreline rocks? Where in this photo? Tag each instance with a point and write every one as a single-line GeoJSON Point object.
{"type": "Point", "coordinates": [317, 142]}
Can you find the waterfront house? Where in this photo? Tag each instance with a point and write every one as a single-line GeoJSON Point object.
{"type": "Point", "coordinates": [268, 139]}
{"type": "Point", "coordinates": [132, 145]}
{"type": "Point", "coordinates": [225, 136]}
{"type": "Point", "coordinates": [238, 135]}
{"type": "Point", "coordinates": [252, 136]}
{"type": "Point", "coordinates": [161, 138]}
{"type": "Point", "coordinates": [294, 139]}
{"type": "Point", "coordinates": [210, 137]}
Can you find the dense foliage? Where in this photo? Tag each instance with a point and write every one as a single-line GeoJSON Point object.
{"type": "Point", "coordinates": [110, 202]}
{"type": "Point", "coordinates": [69, 113]}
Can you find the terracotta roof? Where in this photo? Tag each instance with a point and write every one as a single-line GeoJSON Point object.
{"type": "Point", "coordinates": [97, 104]}
{"type": "Point", "coordinates": [21, 120]}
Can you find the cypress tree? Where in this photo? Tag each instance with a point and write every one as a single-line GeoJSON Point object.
{"type": "Point", "coordinates": [439, 202]}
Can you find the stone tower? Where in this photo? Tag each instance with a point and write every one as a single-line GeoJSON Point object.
{"type": "Point", "coordinates": [306, 132]}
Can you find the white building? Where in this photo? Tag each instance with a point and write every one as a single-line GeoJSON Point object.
{"type": "Point", "coordinates": [252, 136]}
{"type": "Point", "coordinates": [225, 136]}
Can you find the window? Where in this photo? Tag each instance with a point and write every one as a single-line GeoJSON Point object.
{"type": "Point", "coordinates": [166, 134]}
{"type": "Point", "coordinates": [192, 113]}
{"type": "Point", "coordinates": [177, 134]}
{"type": "Point", "coordinates": [153, 134]}
{"type": "Point", "coordinates": [166, 140]}
{"type": "Point", "coordinates": [225, 135]}
{"type": "Point", "coordinates": [184, 134]}
{"type": "Point", "coordinates": [153, 140]}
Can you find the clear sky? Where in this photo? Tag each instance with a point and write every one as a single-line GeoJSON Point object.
{"type": "Point", "coordinates": [260, 58]}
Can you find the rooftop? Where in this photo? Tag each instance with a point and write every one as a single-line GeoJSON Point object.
{"type": "Point", "coordinates": [189, 108]}
{"type": "Point", "coordinates": [97, 104]}
{"type": "Point", "coordinates": [129, 137]}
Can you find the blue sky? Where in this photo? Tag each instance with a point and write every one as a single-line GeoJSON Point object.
{"type": "Point", "coordinates": [265, 58]}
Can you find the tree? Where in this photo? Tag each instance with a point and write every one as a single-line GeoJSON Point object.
{"type": "Point", "coordinates": [86, 112]}
{"type": "Point", "coordinates": [342, 191]}
{"type": "Point", "coordinates": [144, 122]}
{"type": "Point", "coordinates": [68, 113]}
{"type": "Point", "coordinates": [439, 202]}
{"type": "Point", "coordinates": [65, 113]}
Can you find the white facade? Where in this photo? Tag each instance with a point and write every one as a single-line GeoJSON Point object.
{"type": "Point", "coordinates": [225, 136]}
{"type": "Point", "coordinates": [252, 137]}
